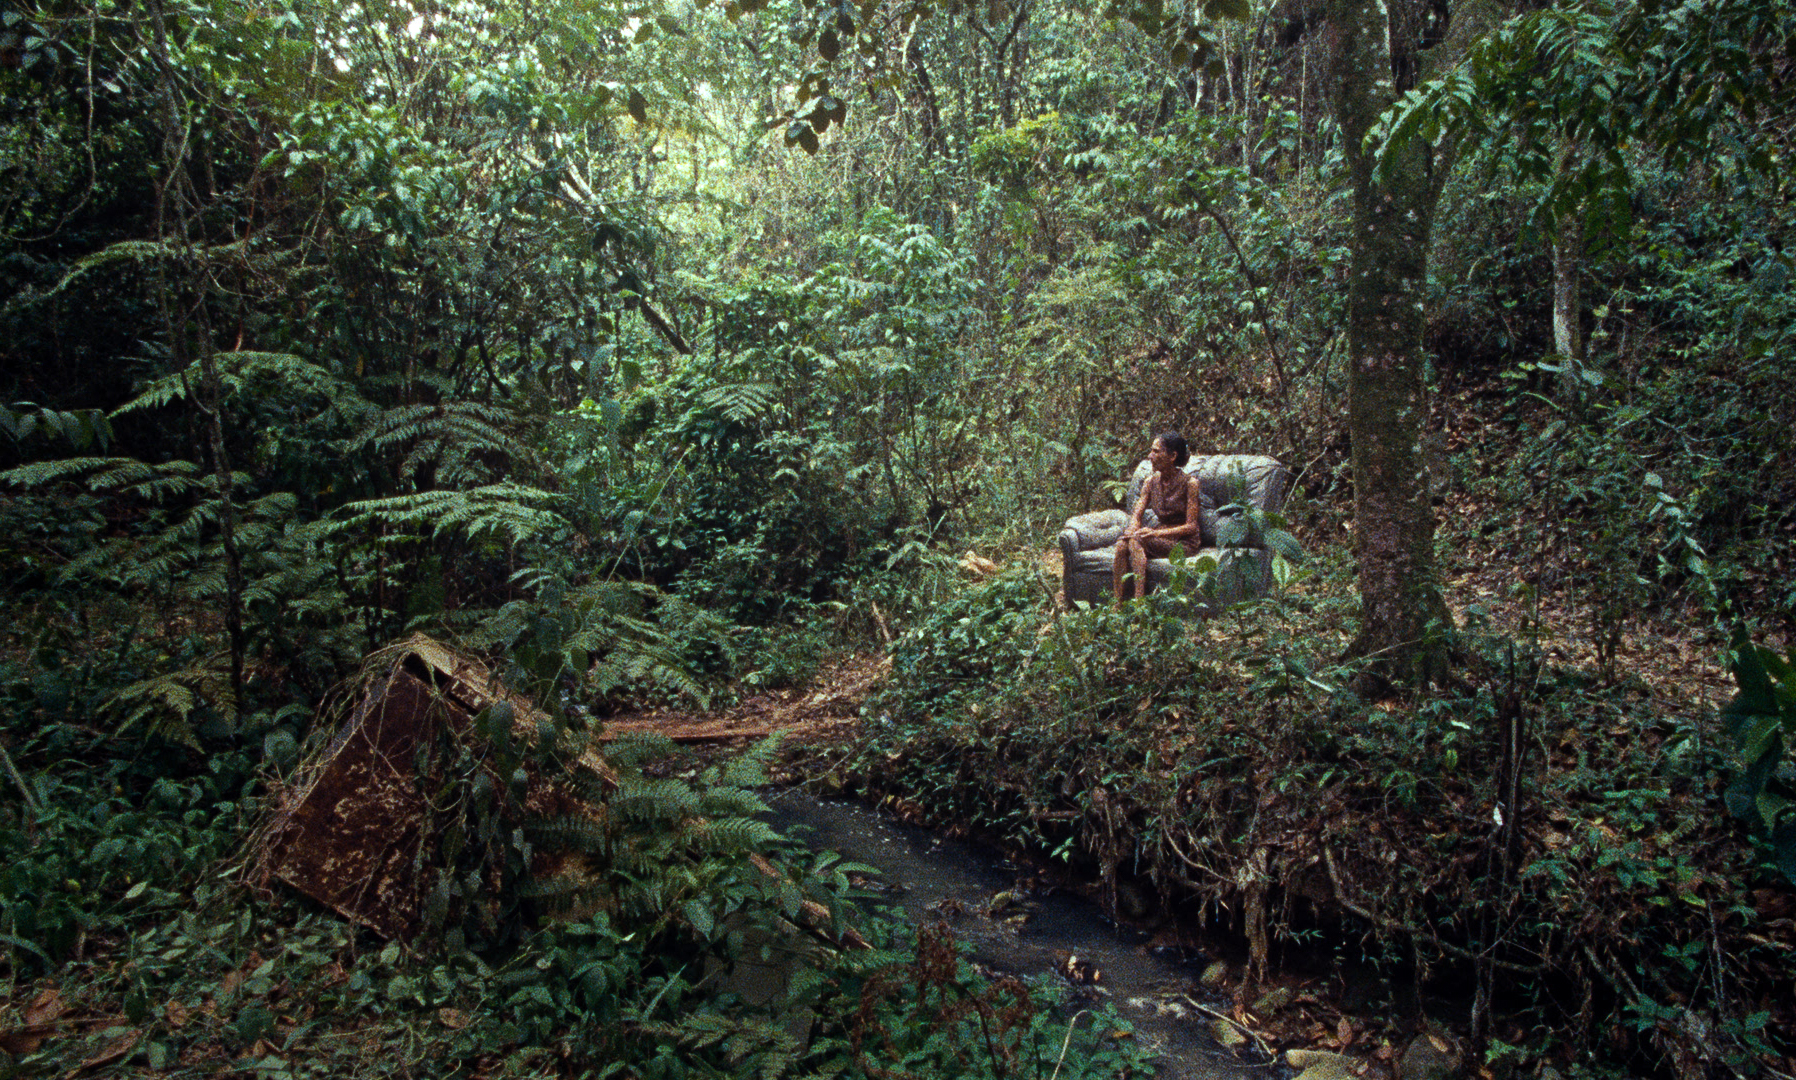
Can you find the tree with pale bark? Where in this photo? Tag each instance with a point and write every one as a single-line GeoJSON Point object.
{"type": "Point", "coordinates": [1404, 619]}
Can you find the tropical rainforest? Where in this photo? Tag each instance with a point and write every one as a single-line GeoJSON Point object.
{"type": "Point", "coordinates": [665, 358]}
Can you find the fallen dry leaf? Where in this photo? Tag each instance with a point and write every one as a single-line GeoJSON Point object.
{"type": "Point", "coordinates": [26, 1039]}
{"type": "Point", "coordinates": [45, 1007]}
{"type": "Point", "coordinates": [978, 565]}
{"type": "Point", "coordinates": [453, 1018]}
{"type": "Point", "coordinates": [119, 1047]}
{"type": "Point", "coordinates": [40, 1023]}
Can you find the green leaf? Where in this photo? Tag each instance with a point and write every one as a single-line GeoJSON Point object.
{"type": "Point", "coordinates": [698, 913]}
{"type": "Point", "coordinates": [20, 943]}
{"type": "Point", "coordinates": [829, 46]}
{"type": "Point", "coordinates": [638, 106]}
{"type": "Point", "coordinates": [799, 133]}
{"type": "Point", "coordinates": [1771, 806]}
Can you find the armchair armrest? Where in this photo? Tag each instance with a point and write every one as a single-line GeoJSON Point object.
{"type": "Point", "coordinates": [1086, 554]}
{"type": "Point", "coordinates": [1087, 532]}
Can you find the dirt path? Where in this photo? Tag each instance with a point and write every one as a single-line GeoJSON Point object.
{"type": "Point", "coordinates": [827, 708]}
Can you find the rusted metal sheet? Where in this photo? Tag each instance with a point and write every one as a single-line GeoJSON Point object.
{"type": "Point", "coordinates": [356, 833]}
{"type": "Point", "coordinates": [351, 839]}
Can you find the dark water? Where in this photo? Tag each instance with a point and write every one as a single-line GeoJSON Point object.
{"type": "Point", "coordinates": [1029, 930]}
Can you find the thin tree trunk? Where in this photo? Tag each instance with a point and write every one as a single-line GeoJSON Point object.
{"type": "Point", "coordinates": [1568, 279]}
{"type": "Point", "coordinates": [174, 198]}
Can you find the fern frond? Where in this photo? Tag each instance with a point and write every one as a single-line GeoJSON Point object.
{"type": "Point", "coordinates": [39, 473]}
{"type": "Point", "coordinates": [638, 664]}
{"type": "Point", "coordinates": [869, 961]}
{"type": "Point", "coordinates": [469, 442]}
{"type": "Point", "coordinates": [720, 802]}
{"type": "Point", "coordinates": [568, 832]}
{"type": "Point", "coordinates": [749, 769]}
{"type": "Point", "coordinates": [125, 251]}
{"type": "Point", "coordinates": [586, 785]}
{"type": "Point", "coordinates": [128, 476]}
{"type": "Point", "coordinates": [654, 800]}
{"type": "Point", "coordinates": [741, 403]}
{"type": "Point", "coordinates": [735, 836]}
{"type": "Point", "coordinates": [165, 703]}
{"type": "Point", "coordinates": [252, 373]}
{"type": "Point", "coordinates": [514, 511]}
{"type": "Point", "coordinates": [396, 426]}
{"type": "Point", "coordinates": [633, 750]}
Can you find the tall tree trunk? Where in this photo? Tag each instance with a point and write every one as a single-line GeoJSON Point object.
{"type": "Point", "coordinates": [1404, 617]}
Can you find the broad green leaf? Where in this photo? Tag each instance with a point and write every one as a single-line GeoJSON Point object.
{"type": "Point", "coordinates": [698, 913]}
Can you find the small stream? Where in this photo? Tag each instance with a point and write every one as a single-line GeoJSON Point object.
{"type": "Point", "coordinates": [1025, 931]}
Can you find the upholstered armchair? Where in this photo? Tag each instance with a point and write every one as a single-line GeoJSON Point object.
{"type": "Point", "coordinates": [1225, 481]}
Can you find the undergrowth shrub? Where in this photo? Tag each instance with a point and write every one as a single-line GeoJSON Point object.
{"type": "Point", "coordinates": [118, 858]}
{"type": "Point", "coordinates": [1598, 508]}
{"type": "Point", "coordinates": [1226, 767]}
{"type": "Point", "coordinates": [93, 855]}
{"type": "Point", "coordinates": [960, 646]}
{"type": "Point", "coordinates": [1762, 722]}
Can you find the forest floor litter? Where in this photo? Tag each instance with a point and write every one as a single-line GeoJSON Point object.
{"type": "Point", "coordinates": [1315, 1013]}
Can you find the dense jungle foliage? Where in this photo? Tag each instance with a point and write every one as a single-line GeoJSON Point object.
{"type": "Point", "coordinates": [663, 355]}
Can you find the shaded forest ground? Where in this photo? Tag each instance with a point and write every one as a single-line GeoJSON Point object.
{"type": "Point", "coordinates": [1216, 777]}
{"type": "Point", "coordinates": [1637, 919]}
{"type": "Point", "coordinates": [1196, 780]}
{"type": "Point", "coordinates": [1295, 1004]}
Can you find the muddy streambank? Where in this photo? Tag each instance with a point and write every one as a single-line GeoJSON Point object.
{"type": "Point", "coordinates": [1015, 921]}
